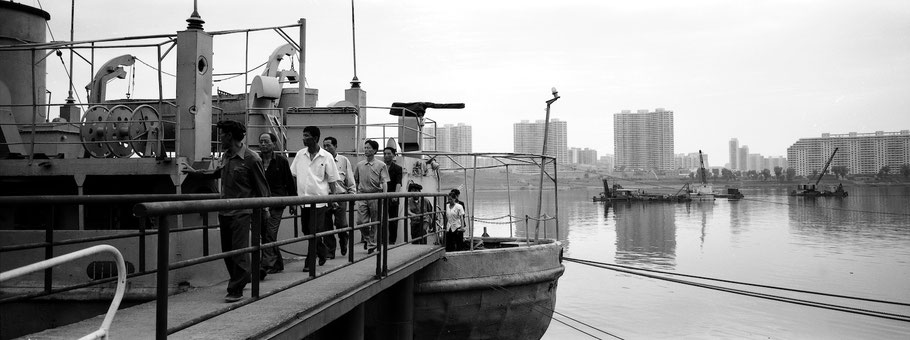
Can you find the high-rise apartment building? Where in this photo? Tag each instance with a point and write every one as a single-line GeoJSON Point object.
{"type": "Point", "coordinates": [582, 156]}
{"type": "Point", "coordinates": [734, 153]}
{"type": "Point", "coordinates": [690, 160]}
{"type": "Point", "coordinates": [861, 153]}
{"type": "Point", "coordinates": [455, 139]}
{"type": "Point", "coordinates": [528, 139]}
{"type": "Point", "coordinates": [644, 140]}
{"type": "Point", "coordinates": [742, 158]}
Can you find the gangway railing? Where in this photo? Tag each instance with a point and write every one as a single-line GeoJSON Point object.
{"type": "Point", "coordinates": [256, 205]}
{"type": "Point", "coordinates": [102, 332]}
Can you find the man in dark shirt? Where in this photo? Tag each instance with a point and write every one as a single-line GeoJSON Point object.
{"type": "Point", "coordinates": [281, 183]}
{"type": "Point", "coordinates": [394, 185]}
{"type": "Point", "coordinates": [242, 176]}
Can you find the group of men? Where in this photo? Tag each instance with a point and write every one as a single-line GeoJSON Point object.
{"type": "Point", "coordinates": [315, 171]}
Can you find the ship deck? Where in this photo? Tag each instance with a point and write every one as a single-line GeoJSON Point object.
{"type": "Point", "coordinates": [294, 312]}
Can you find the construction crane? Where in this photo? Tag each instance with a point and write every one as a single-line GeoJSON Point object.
{"type": "Point", "coordinates": [704, 179]}
{"type": "Point", "coordinates": [821, 174]}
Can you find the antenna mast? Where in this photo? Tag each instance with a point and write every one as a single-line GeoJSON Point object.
{"type": "Point", "coordinates": [354, 82]}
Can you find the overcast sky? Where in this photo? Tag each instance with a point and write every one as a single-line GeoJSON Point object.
{"type": "Point", "coordinates": [765, 72]}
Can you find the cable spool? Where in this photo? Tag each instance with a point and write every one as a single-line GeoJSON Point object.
{"type": "Point", "coordinates": [145, 131]}
{"type": "Point", "coordinates": [93, 133]}
{"type": "Point", "coordinates": [118, 131]}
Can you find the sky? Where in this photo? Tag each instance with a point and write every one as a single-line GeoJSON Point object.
{"type": "Point", "coordinates": [765, 72]}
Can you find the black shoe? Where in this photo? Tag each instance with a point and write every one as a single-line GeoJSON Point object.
{"type": "Point", "coordinates": [274, 270]}
{"type": "Point", "coordinates": [232, 297]}
{"type": "Point", "coordinates": [262, 274]}
{"type": "Point", "coordinates": [364, 246]}
{"type": "Point", "coordinates": [371, 250]}
{"type": "Point", "coordinates": [344, 249]}
{"type": "Point", "coordinates": [321, 261]}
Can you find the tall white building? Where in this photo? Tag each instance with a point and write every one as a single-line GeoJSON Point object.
{"type": "Point", "coordinates": [861, 153]}
{"type": "Point", "coordinates": [734, 153]}
{"type": "Point", "coordinates": [527, 138]}
{"type": "Point", "coordinates": [644, 140]}
{"type": "Point", "coordinates": [455, 139]}
{"type": "Point", "coordinates": [582, 156]}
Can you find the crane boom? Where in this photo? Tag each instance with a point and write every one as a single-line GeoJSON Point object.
{"type": "Point", "coordinates": [826, 167]}
{"type": "Point", "coordinates": [701, 161]}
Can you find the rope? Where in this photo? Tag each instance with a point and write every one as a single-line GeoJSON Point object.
{"type": "Point", "coordinates": [240, 74]}
{"type": "Point", "coordinates": [490, 218]}
{"type": "Point", "coordinates": [860, 311]}
{"type": "Point", "coordinates": [491, 222]}
{"type": "Point", "coordinates": [152, 67]}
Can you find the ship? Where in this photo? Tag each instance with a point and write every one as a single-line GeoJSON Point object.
{"type": "Point", "coordinates": [75, 181]}
{"type": "Point", "coordinates": [812, 189]}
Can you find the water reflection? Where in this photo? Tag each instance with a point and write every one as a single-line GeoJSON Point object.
{"type": "Point", "coordinates": [645, 235]}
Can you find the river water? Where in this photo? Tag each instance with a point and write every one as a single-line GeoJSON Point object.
{"type": "Point", "coordinates": [857, 246]}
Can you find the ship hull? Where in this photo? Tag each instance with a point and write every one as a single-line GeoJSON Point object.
{"type": "Point", "coordinates": [504, 293]}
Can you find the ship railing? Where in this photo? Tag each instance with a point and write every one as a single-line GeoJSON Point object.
{"type": "Point", "coordinates": [102, 332]}
{"type": "Point", "coordinates": [257, 205]}
{"type": "Point", "coordinates": [468, 163]}
{"type": "Point", "coordinates": [50, 244]}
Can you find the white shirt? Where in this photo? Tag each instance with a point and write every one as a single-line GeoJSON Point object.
{"type": "Point", "coordinates": [313, 176]}
{"type": "Point", "coordinates": [454, 217]}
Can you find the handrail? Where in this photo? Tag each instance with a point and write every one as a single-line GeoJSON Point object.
{"type": "Point", "coordinates": [102, 332]}
{"type": "Point", "coordinates": [101, 199]}
{"type": "Point", "coordinates": [200, 206]}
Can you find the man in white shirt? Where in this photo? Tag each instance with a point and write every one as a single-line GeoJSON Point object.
{"type": "Point", "coordinates": [316, 173]}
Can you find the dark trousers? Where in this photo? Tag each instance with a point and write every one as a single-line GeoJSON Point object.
{"type": "Point", "coordinates": [271, 257]}
{"type": "Point", "coordinates": [393, 225]}
{"type": "Point", "coordinates": [339, 219]}
{"type": "Point", "coordinates": [309, 229]}
{"type": "Point", "coordinates": [418, 229]}
{"type": "Point", "coordinates": [454, 240]}
{"type": "Point", "coordinates": [235, 234]}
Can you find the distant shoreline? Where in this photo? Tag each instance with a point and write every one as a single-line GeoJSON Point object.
{"type": "Point", "coordinates": [496, 181]}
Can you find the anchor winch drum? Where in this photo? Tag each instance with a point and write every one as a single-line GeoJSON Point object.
{"type": "Point", "coordinates": [93, 131]}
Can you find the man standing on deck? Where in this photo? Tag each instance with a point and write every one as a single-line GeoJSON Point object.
{"type": "Point", "coordinates": [394, 185]}
{"type": "Point", "coordinates": [338, 217]}
{"type": "Point", "coordinates": [371, 176]}
{"type": "Point", "coordinates": [242, 176]}
{"type": "Point", "coordinates": [316, 175]}
{"type": "Point", "coordinates": [281, 183]}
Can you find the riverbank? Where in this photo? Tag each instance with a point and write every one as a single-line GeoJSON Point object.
{"type": "Point", "coordinates": [498, 180]}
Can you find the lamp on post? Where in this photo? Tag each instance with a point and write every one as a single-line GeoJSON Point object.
{"type": "Point", "coordinates": [546, 132]}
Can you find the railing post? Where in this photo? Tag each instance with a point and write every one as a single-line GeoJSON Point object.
{"type": "Point", "coordinates": [352, 224]}
{"type": "Point", "coordinates": [49, 251]}
{"type": "Point", "coordinates": [311, 245]}
{"type": "Point", "coordinates": [527, 232]}
{"type": "Point", "coordinates": [255, 241]}
{"type": "Point", "coordinates": [407, 221]}
{"type": "Point", "coordinates": [384, 246]}
{"type": "Point", "coordinates": [162, 275]}
{"type": "Point", "coordinates": [143, 227]}
{"type": "Point", "coordinates": [205, 234]}
{"type": "Point", "coordinates": [297, 211]}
